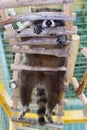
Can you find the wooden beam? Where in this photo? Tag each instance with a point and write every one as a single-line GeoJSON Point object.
{"type": "Point", "coordinates": [30, 68]}
{"type": "Point", "coordinates": [37, 16]}
{"type": "Point", "coordinates": [47, 32]}
{"type": "Point", "coordinates": [55, 52]}
{"type": "Point", "coordinates": [21, 3]}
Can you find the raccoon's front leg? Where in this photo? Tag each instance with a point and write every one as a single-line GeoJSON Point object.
{"type": "Point", "coordinates": [38, 29]}
{"type": "Point", "coordinates": [62, 40]}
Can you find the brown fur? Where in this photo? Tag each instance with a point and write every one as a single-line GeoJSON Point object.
{"type": "Point", "coordinates": [53, 82]}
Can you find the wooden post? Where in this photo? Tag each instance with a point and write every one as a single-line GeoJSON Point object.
{"type": "Point", "coordinates": [68, 12]}
{"type": "Point", "coordinates": [72, 57]}
{"type": "Point", "coordinates": [82, 96]}
{"type": "Point", "coordinates": [82, 85]}
{"type": "Point", "coordinates": [10, 30]}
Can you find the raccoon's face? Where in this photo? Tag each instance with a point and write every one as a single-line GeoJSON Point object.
{"type": "Point", "coordinates": [48, 23]}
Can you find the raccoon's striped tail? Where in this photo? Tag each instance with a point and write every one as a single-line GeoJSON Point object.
{"type": "Point", "coordinates": [41, 102]}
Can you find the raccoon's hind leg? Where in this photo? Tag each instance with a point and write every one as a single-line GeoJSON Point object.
{"type": "Point", "coordinates": [52, 101]}
{"type": "Point", "coordinates": [25, 89]}
{"type": "Point", "coordinates": [41, 101]}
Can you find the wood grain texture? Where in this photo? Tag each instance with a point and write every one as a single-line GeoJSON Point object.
{"type": "Point", "coordinates": [21, 3]}
{"type": "Point", "coordinates": [37, 16]}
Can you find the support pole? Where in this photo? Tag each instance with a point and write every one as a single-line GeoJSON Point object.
{"type": "Point", "coordinates": [82, 96]}
{"type": "Point", "coordinates": [72, 57]}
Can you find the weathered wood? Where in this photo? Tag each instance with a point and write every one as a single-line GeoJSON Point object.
{"type": "Point", "coordinates": [72, 57]}
{"type": "Point", "coordinates": [40, 41]}
{"type": "Point", "coordinates": [82, 84]}
{"type": "Point", "coordinates": [9, 29]}
{"type": "Point", "coordinates": [32, 110]}
{"type": "Point", "coordinates": [37, 16]}
{"type": "Point", "coordinates": [21, 3]}
{"type": "Point", "coordinates": [30, 68]}
{"type": "Point", "coordinates": [55, 52]}
{"type": "Point", "coordinates": [84, 51]}
{"type": "Point", "coordinates": [26, 128]}
{"type": "Point", "coordinates": [45, 33]}
{"type": "Point", "coordinates": [68, 11]}
{"type": "Point", "coordinates": [82, 96]}
{"type": "Point", "coordinates": [33, 121]}
{"type": "Point", "coordinates": [16, 90]}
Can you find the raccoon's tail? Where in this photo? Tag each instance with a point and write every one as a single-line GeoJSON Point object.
{"type": "Point", "coordinates": [41, 102]}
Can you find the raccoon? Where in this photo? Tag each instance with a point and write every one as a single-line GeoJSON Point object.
{"type": "Point", "coordinates": [49, 84]}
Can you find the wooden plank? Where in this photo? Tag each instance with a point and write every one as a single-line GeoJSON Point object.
{"type": "Point", "coordinates": [41, 41]}
{"type": "Point", "coordinates": [37, 16]}
{"type": "Point", "coordinates": [55, 52]}
{"type": "Point", "coordinates": [30, 68]}
{"type": "Point", "coordinates": [34, 111]}
{"type": "Point", "coordinates": [53, 32]}
{"type": "Point", "coordinates": [26, 128]}
{"type": "Point", "coordinates": [21, 3]}
{"type": "Point", "coordinates": [33, 121]}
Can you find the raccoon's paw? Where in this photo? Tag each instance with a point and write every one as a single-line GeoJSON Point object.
{"type": "Point", "coordinates": [48, 116]}
{"type": "Point", "coordinates": [38, 29]}
{"type": "Point", "coordinates": [49, 119]}
{"type": "Point", "coordinates": [61, 41]}
{"type": "Point", "coordinates": [23, 112]}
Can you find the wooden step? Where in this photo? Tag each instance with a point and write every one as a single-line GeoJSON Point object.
{"type": "Point", "coordinates": [42, 51]}
{"type": "Point", "coordinates": [52, 32]}
{"type": "Point", "coordinates": [32, 121]}
{"type": "Point", "coordinates": [26, 128]}
{"type": "Point", "coordinates": [37, 16]}
{"type": "Point", "coordinates": [30, 68]}
{"type": "Point", "coordinates": [40, 41]}
{"type": "Point", "coordinates": [21, 3]}
{"type": "Point", "coordinates": [54, 113]}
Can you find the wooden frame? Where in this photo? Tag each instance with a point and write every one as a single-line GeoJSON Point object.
{"type": "Point", "coordinates": [12, 34]}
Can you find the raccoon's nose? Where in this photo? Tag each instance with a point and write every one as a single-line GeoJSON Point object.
{"type": "Point", "coordinates": [48, 23]}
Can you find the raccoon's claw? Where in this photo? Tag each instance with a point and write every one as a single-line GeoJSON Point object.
{"type": "Point", "coordinates": [61, 41]}
{"type": "Point", "coordinates": [23, 112]}
{"type": "Point", "coordinates": [38, 29]}
{"type": "Point", "coordinates": [49, 119]}
{"type": "Point", "coordinates": [21, 115]}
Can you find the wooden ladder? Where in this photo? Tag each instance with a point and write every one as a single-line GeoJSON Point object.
{"type": "Point", "coordinates": [19, 47]}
